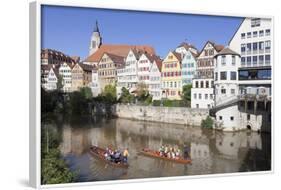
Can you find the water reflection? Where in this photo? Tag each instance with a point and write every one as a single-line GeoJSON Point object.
{"type": "Point", "coordinates": [211, 151]}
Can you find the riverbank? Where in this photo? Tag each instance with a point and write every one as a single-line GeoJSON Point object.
{"type": "Point", "coordinates": [173, 115]}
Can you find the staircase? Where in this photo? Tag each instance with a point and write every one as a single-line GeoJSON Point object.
{"type": "Point", "coordinates": [224, 103]}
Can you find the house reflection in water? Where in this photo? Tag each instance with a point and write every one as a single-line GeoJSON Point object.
{"type": "Point", "coordinates": [211, 151]}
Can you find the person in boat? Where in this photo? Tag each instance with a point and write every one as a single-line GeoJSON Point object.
{"type": "Point", "coordinates": [117, 156]}
{"type": "Point", "coordinates": [173, 154]}
{"type": "Point", "coordinates": [177, 153]}
{"type": "Point", "coordinates": [107, 154]}
{"type": "Point", "coordinates": [125, 155]}
{"type": "Point", "coordinates": [166, 150]}
{"type": "Point", "coordinates": [185, 152]}
{"type": "Point", "coordinates": [161, 150]}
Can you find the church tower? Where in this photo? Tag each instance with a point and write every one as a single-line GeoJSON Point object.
{"type": "Point", "coordinates": [96, 40]}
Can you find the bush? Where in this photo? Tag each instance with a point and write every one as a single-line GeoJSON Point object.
{"type": "Point", "coordinates": [156, 102]}
{"type": "Point", "coordinates": [207, 123]}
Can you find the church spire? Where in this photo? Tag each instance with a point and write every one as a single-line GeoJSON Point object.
{"type": "Point", "coordinates": [96, 29]}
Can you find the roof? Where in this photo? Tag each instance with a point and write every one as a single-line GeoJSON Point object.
{"type": "Point", "coordinates": [186, 45]}
{"type": "Point", "coordinates": [217, 47]}
{"type": "Point", "coordinates": [159, 64]}
{"type": "Point", "coordinates": [178, 55]}
{"type": "Point", "coordinates": [85, 67]}
{"type": "Point", "coordinates": [56, 71]}
{"type": "Point", "coordinates": [227, 51]}
{"type": "Point", "coordinates": [120, 50]}
{"type": "Point", "coordinates": [236, 30]}
{"type": "Point", "coordinates": [45, 53]}
{"type": "Point", "coordinates": [115, 58]}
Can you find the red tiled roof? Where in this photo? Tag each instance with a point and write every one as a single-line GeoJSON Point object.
{"type": "Point", "coordinates": [187, 45]}
{"type": "Point", "coordinates": [120, 50]}
{"type": "Point", "coordinates": [86, 67]}
{"type": "Point", "coordinates": [159, 64]}
{"type": "Point", "coordinates": [116, 58]}
{"type": "Point", "coordinates": [178, 55]}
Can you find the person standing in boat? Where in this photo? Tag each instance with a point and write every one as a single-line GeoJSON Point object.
{"type": "Point", "coordinates": [125, 155]}
{"type": "Point", "coordinates": [185, 152]}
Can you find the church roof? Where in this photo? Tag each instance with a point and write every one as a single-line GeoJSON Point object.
{"type": "Point", "coordinates": [120, 50]}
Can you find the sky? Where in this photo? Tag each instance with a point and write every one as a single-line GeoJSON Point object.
{"type": "Point", "coordinates": [69, 29]}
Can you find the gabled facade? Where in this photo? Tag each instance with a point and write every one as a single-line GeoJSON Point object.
{"type": "Point", "coordinates": [144, 64]}
{"type": "Point", "coordinates": [65, 71]}
{"type": "Point", "coordinates": [52, 79]}
{"type": "Point", "coordinates": [81, 76]}
{"type": "Point", "coordinates": [189, 65]}
{"type": "Point", "coordinates": [155, 80]}
{"type": "Point", "coordinates": [184, 47]}
{"type": "Point", "coordinates": [128, 74]}
{"type": "Point", "coordinates": [107, 69]}
{"type": "Point", "coordinates": [171, 76]}
{"type": "Point", "coordinates": [205, 60]}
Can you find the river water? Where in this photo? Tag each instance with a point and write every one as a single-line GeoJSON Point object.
{"type": "Point", "coordinates": [212, 152]}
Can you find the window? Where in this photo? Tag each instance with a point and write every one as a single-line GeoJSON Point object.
{"type": "Point", "coordinates": [255, 22]}
{"type": "Point", "coordinates": [255, 47]}
{"type": "Point", "coordinates": [267, 32]}
{"type": "Point", "coordinates": [231, 118]}
{"type": "Point", "coordinates": [233, 60]}
{"type": "Point", "coordinates": [267, 59]}
{"type": "Point", "coordinates": [255, 60]}
{"type": "Point", "coordinates": [211, 96]}
{"type": "Point", "coordinates": [201, 84]}
{"type": "Point", "coordinates": [232, 91]}
{"type": "Point", "coordinates": [249, 34]}
{"type": "Point", "coordinates": [223, 91]}
{"type": "Point", "coordinates": [243, 48]}
{"type": "Point", "coordinates": [223, 75]}
{"type": "Point", "coordinates": [206, 96]}
{"type": "Point", "coordinates": [207, 84]}
{"type": "Point", "coordinates": [196, 84]}
{"type": "Point", "coordinates": [261, 59]}
{"type": "Point", "coordinates": [242, 35]}
{"type": "Point", "coordinates": [249, 60]}
{"type": "Point", "coordinates": [223, 60]}
{"type": "Point", "coordinates": [249, 47]}
{"type": "Point", "coordinates": [255, 34]}
{"type": "Point", "coordinates": [197, 105]}
{"type": "Point", "coordinates": [261, 46]}
{"type": "Point", "coordinates": [200, 96]}
{"type": "Point", "coordinates": [195, 95]}
{"type": "Point", "coordinates": [261, 33]}
{"type": "Point", "coordinates": [248, 117]}
{"type": "Point", "coordinates": [267, 45]}
{"type": "Point", "coordinates": [220, 117]}
{"type": "Point", "coordinates": [255, 74]}
{"type": "Point", "coordinates": [232, 75]}
{"type": "Point", "coordinates": [243, 60]}
{"type": "Point", "coordinates": [216, 76]}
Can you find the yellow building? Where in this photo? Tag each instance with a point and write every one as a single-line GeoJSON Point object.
{"type": "Point", "coordinates": [171, 76]}
{"type": "Point", "coordinates": [81, 76]}
{"type": "Point", "coordinates": [107, 68]}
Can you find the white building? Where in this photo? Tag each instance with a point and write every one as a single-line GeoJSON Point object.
{"type": "Point", "coordinates": [226, 89]}
{"type": "Point", "coordinates": [52, 79]}
{"type": "Point", "coordinates": [184, 47]}
{"type": "Point", "coordinates": [65, 72]}
{"type": "Point", "coordinates": [253, 41]}
{"type": "Point", "coordinates": [155, 80]}
{"type": "Point", "coordinates": [144, 64]}
{"type": "Point", "coordinates": [202, 93]}
{"type": "Point", "coordinates": [96, 40]}
{"type": "Point", "coordinates": [127, 76]}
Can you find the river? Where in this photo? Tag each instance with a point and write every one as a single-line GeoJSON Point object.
{"type": "Point", "coordinates": [212, 152]}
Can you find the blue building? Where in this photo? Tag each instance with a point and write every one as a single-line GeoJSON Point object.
{"type": "Point", "coordinates": [188, 67]}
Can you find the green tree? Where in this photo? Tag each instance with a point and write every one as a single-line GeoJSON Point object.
{"type": "Point", "coordinates": [109, 93]}
{"type": "Point", "coordinates": [86, 92]}
{"type": "Point", "coordinates": [142, 93]}
{"type": "Point", "coordinates": [126, 96]}
{"type": "Point", "coordinates": [186, 92]}
{"type": "Point", "coordinates": [207, 123]}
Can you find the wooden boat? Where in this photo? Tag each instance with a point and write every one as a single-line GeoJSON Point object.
{"type": "Point", "coordinates": [99, 153]}
{"type": "Point", "coordinates": [156, 154]}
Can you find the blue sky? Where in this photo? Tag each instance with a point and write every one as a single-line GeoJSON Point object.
{"type": "Point", "coordinates": [68, 29]}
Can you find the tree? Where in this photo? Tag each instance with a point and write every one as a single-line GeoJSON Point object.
{"type": "Point", "coordinates": [109, 93]}
{"type": "Point", "coordinates": [60, 83]}
{"type": "Point", "coordinates": [126, 97]}
{"type": "Point", "coordinates": [207, 123]}
{"type": "Point", "coordinates": [186, 92]}
{"type": "Point", "coordinates": [142, 92]}
{"type": "Point", "coordinates": [86, 92]}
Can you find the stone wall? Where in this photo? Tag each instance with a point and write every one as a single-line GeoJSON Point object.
{"type": "Point", "coordinates": [176, 115]}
